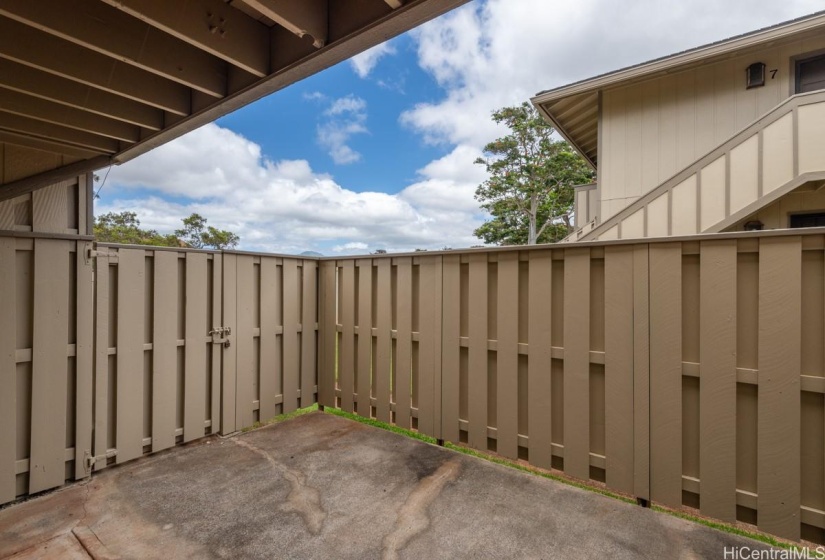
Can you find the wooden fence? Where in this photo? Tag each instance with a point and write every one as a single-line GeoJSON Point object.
{"type": "Point", "coordinates": [144, 363]}
{"type": "Point", "coordinates": [686, 372]}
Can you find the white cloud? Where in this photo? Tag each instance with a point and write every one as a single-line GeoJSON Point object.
{"type": "Point", "coordinates": [364, 63]}
{"type": "Point", "coordinates": [501, 52]}
{"type": "Point", "coordinates": [344, 118]}
{"type": "Point", "coordinates": [285, 206]}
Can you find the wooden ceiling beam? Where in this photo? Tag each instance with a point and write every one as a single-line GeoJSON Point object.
{"type": "Point", "coordinates": [29, 184]}
{"type": "Point", "coordinates": [301, 17]}
{"type": "Point", "coordinates": [394, 4]}
{"type": "Point", "coordinates": [57, 133]}
{"type": "Point", "coordinates": [210, 25]}
{"type": "Point", "coordinates": [108, 31]}
{"type": "Point", "coordinates": [31, 81]}
{"type": "Point", "coordinates": [48, 111]}
{"type": "Point", "coordinates": [72, 152]}
{"type": "Point", "coordinates": [40, 50]}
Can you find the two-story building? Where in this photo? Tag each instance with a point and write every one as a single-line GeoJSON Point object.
{"type": "Point", "coordinates": [729, 136]}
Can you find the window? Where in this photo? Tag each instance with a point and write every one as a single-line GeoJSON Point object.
{"type": "Point", "coordinates": [810, 74]}
{"type": "Point", "coordinates": [816, 219]}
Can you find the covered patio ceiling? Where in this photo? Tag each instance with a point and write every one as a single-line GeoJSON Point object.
{"type": "Point", "coordinates": [94, 82]}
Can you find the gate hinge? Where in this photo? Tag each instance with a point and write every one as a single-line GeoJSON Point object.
{"type": "Point", "coordinates": [220, 335]}
{"type": "Point", "coordinates": [94, 253]}
{"type": "Point", "coordinates": [90, 460]}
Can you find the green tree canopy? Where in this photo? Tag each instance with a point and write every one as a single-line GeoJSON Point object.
{"type": "Point", "coordinates": [529, 192]}
{"type": "Point", "coordinates": [195, 233]}
{"type": "Point", "coordinates": [124, 227]}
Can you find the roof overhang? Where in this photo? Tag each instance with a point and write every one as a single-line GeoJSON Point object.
{"type": "Point", "coordinates": [107, 80]}
{"type": "Point", "coordinates": [573, 109]}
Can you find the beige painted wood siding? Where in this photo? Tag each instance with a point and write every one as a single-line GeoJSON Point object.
{"type": "Point", "coordinates": [652, 130]}
{"type": "Point", "coordinates": [64, 207]}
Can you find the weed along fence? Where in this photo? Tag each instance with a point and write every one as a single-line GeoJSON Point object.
{"type": "Point", "coordinates": [687, 371]}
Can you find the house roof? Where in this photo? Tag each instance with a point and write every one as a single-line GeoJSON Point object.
{"type": "Point", "coordinates": [94, 82]}
{"type": "Point", "coordinates": [573, 109]}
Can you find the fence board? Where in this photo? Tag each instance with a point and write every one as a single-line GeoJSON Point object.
{"type": "Point", "coordinates": [292, 356]}
{"type": "Point", "coordinates": [363, 385]}
{"type": "Point", "coordinates": [619, 401]}
{"type": "Point", "coordinates": [245, 372]}
{"type": "Point", "coordinates": [717, 385]}
{"type": "Point", "coordinates": [130, 334]}
{"type": "Point", "coordinates": [8, 370]}
{"type": "Point", "coordinates": [196, 376]}
{"type": "Point", "coordinates": [328, 366]}
{"type": "Point", "coordinates": [84, 359]}
{"type": "Point", "coordinates": [271, 374]}
{"type": "Point", "coordinates": [438, 309]}
{"type": "Point", "coordinates": [778, 450]}
{"type": "Point", "coordinates": [164, 350]}
{"type": "Point", "coordinates": [577, 362]}
{"type": "Point", "coordinates": [641, 371]}
{"type": "Point", "coordinates": [477, 375]}
{"type": "Point", "coordinates": [450, 349]}
{"type": "Point", "coordinates": [539, 364]}
{"type": "Point", "coordinates": [309, 316]}
{"type": "Point", "coordinates": [346, 365]}
{"type": "Point", "coordinates": [229, 400]}
{"type": "Point", "coordinates": [383, 349]}
{"type": "Point", "coordinates": [666, 373]}
{"type": "Point", "coordinates": [216, 349]}
{"type": "Point", "coordinates": [101, 381]}
{"type": "Point", "coordinates": [49, 364]}
{"type": "Point", "coordinates": [403, 348]}
{"type": "Point", "coordinates": [426, 346]}
{"type": "Point", "coordinates": [507, 356]}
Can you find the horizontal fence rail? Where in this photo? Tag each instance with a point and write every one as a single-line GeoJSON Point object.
{"type": "Point", "coordinates": [689, 372]}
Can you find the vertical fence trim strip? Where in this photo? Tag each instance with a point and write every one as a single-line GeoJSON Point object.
{"type": "Point", "coordinates": [8, 369]}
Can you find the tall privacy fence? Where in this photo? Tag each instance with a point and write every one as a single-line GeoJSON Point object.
{"type": "Point", "coordinates": [687, 371]}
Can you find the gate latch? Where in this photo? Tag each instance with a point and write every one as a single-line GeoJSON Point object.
{"type": "Point", "coordinates": [220, 335]}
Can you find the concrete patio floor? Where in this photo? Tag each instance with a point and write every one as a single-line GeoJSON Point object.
{"type": "Point", "coordinates": [322, 486]}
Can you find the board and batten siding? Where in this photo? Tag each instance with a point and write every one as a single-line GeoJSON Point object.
{"type": "Point", "coordinates": [653, 129]}
{"type": "Point", "coordinates": [64, 207]}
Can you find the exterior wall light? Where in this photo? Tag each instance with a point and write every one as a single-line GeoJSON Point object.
{"type": "Point", "coordinates": [755, 74]}
{"type": "Point", "coordinates": [754, 225]}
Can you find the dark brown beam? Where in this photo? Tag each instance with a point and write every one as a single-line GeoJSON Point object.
{"type": "Point", "coordinates": [72, 153]}
{"type": "Point", "coordinates": [301, 17]}
{"type": "Point", "coordinates": [56, 133]}
{"type": "Point", "coordinates": [108, 31]}
{"type": "Point", "coordinates": [29, 184]}
{"type": "Point", "coordinates": [211, 25]}
{"type": "Point", "coordinates": [36, 83]}
{"type": "Point", "coordinates": [40, 50]}
{"type": "Point", "coordinates": [42, 110]}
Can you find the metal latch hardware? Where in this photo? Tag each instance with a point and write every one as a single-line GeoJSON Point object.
{"type": "Point", "coordinates": [220, 335]}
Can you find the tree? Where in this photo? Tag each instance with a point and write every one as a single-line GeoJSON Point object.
{"type": "Point", "coordinates": [529, 192]}
{"type": "Point", "coordinates": [124, 227]}
{"type": "Point", "coordinates": [197, 234]}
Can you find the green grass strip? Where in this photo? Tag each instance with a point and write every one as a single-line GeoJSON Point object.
{"type": "Point", "coordinates": [280, 418]}
{"type": "Point", "coordinates": [523, 468]}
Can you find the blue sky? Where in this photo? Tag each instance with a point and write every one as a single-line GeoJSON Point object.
{"type": "Point", "coordinates": [377, 152]}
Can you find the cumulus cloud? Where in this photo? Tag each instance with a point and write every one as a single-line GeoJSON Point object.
{"type": "Point", "coordinates": [344, 118]}
{"type": "Point", "coordinates": [489, 54]}
{"type": "Point", "coordinates": [285, 206]}
{"type": "Point", "coordinates": [363, 64]}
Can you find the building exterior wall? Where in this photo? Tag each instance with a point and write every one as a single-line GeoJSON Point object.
{"type": "Point", "coordinates": [778, 214]}
{"type": "Point", "coordinates": [652, 130]}
{"type": "Point", "coordinates": [63, 208]}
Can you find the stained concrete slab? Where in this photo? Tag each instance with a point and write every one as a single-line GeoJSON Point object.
{"type": "Point", "coordinates": [321, 486]}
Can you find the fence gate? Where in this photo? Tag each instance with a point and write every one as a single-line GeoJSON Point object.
{"type": "Point", "coordinates": [270, 320]}
{"type": "Point", "coordinates": [157, 363]}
